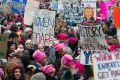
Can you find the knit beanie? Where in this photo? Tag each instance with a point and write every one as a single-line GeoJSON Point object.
{"type": "Point", "coordinates": [38, 76]}
{"type": "Point", "coordinates": [38, 55]}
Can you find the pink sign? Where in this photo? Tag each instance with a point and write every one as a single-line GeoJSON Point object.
{"type": "Point", "coordinates": [104, 8]}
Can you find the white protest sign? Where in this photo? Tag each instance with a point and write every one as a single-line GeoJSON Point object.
{"type": "Point", "coordinates": [31, 7]}
{"type": "Point", "coordinates": [106, 66]}
{"type": "Point", "coordinates": [92, 38]}
{"type": "Point", "coordinates": [89, 10]}
{"type": "Point", "coordinates": [85, 57]}
{"type": "Point", "coordinates": [73, 14]}
{"type": "Point", "coordinates": [43, 27]}
{"type": "Point", "coordinates": [118, 34]}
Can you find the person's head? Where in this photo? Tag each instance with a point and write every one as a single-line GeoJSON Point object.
{"type": "Point", "coordinates": [66, 60]}
{"type": "Point", "coordinates": [79, 67]}
{"type": "Point", "coordinates": [106, 25]}
{"type": "Point", "coordinates": [18, 72]}
{"type": "Point", "coordinates": [67, 50]}
{"type": "Point", "coordinates": [28, 31]}
{"type": "Point", "coordinates": [13, 37]}
{"type": "Point", "coordinates": [10, 66]}
{"type": "Point", "coordinates": [59, 49]}
{"type": "Point", "coordinates": [28, 44]}
{"type": "Point", "coordinates": [38, 76]}
{"type": "Point", "coordinates": [20, 48]}
{"type": "Point", "coordinates": [12, 47]}
{"type": "Point", "coordinates": [14, 28]}
{"type": "Point", "coordinates": [62, 37]}
{"type": "Point", "coordinates": [41, 47]}
{"type": "Point", "coordinates": [98, 10]}
{"type": "Point", "coordinates": [40, 57]}
{"type": "Point", "coordinates": [13, 56]}
{"type": "Point", "coordinates": [29, 71]}
{"type": "Point", "coordinates": [48, 69]}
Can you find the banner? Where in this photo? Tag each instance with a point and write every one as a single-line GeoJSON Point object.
{"type": "Point", "coordinates": [92, 38]}
{"type": "Point", "coordinates": [43, 27]}
{"type": "Point", "coordinates": [89, 10]}
{"type": "Point", "coordinates": [116, 14]}
{"type": "Point", "coordinates": [31, 7]}
{"type": "Point", "coordinates": [73, 14]}
{"type": "Point", "coordinates": [18, 6]}
{"type": "Point", "coordinates": [106, 66]}
{"type": "Point", "coordinates": [3, 45]}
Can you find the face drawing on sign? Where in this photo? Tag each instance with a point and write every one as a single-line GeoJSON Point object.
{"type": "Point", "coordinates": [88, 14]}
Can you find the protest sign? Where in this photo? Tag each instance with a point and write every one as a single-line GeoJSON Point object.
{"type": "Point", "coordinates": [116, 14]}
{"type": "Point", "coordinates": [89, 10]}
{"type": "Point", "coordinates": [73, 14]}
{"type": "Point", "coordinates": [92, 38]}
{"type": "Point", "coordinates": [3, 45]}
{"type": "Point", "coordinates": [54, 5]}
{"type": "Point", "coordinates": [104, 8]}
{"type": "Point", "coordinates": [85, 57]}
{"type": "Point", "coordinates": [43, 27]}
{"type": "Point", "coordinates": [4, 6]}
{"type": "Point", "coordinates": [31, 7]}
{"type": "Point", "coordinates": [118, 34]}
{"type": "Point", "coordinates": [106, 66]}
{"type": "Point", "coordinates": [18, 6]}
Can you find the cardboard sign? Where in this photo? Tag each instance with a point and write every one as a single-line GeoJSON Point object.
{"type": "Point", "coordinates": [73, 14]}
{"type": "Point", "coordinates": [18, 6]}
{"type": "Point", "coordinates": [31, 7]}
{"type": "Point", "coordinates": [92, 38]}
{"type": "Point", "coordinates": [106, 66]}
{"type": "Point", "coordinates": [89, 10]}
{"type": "Point", "coordinates": [3, 45]}
{"type": "Point", "coordinates": [43, 27]}
{"type": "Point", "coordinates": [116, 14]}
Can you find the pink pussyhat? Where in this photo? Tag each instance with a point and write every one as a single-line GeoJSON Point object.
{"type": "Point", "coordinates": [48, 69]}
{"type": "Point", "coordinates": [67, 59]}
{"type": "Point", "coordinates": [38, 55]}
{"type": "Point", "coordinates": [72, 39]}
{"type": "Point", "coordinates": [79, 66]}
{"type": "Point", "coordinates": [62, 36]}
{"type": "Point", "coordinates": [59, 46]}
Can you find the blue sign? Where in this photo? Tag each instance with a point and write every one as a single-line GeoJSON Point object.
{"type": "Point", "coordinates": [54, 5]}
{"type": "Point", "coordinates": [18, 6]}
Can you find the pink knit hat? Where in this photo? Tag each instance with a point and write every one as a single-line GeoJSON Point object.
{"type": "Point", "coordinates": [1, 72]}
{"type": "Point", "coordinates": [59, 46]}
{"type": "Point", "coordinates": [79, 66]}
{"type": "Point", "coordinates": [67, 59]}
{"type": "Point", "coordinates": [48, 69]}
{"type": "Point", "coordinates": [62, 36]}
{"type": "Point", "coordinates": [72, 39]}
{"type": "Point", "coordinates": [38, 55]}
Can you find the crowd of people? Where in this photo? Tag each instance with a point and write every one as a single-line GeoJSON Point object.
{"type": "Point", "coordinates": [25, 60]}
